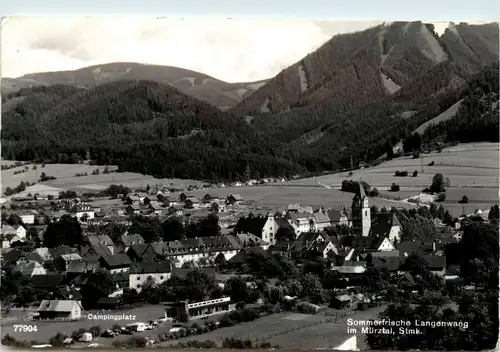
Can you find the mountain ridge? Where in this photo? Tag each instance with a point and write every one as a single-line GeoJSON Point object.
{"type": "Point", "coordinates": [202, 86]}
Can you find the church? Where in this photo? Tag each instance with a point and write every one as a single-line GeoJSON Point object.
{"type": "Point", "coordinates": [382, 224]}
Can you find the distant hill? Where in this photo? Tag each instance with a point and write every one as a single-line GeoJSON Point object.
{"type": "Point", "coordinates": [407, 60]}
{"type": "Point", "coordinates": [201, 86]}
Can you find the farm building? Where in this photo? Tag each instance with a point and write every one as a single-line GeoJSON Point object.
{"type": "Point", "coordinates": [196, 310]}
{"type": "Point", "coordinates": [60, 309]}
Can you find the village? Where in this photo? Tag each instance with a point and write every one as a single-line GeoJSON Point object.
{"type": "Point", "coordinates": [337, 250]}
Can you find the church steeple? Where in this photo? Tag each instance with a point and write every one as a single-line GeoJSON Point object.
{"type": "Point", "coordinates": [361, 217]}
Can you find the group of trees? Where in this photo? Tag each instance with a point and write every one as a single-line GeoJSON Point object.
{"type": "Point", "coordinates": [478, 309]}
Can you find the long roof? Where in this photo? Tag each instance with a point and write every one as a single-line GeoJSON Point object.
{"type": "Point", "coordinates": [57, 305]}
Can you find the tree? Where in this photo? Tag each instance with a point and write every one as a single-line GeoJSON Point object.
{"type": "Point", "coordinates": [389, 150]}
{"type": "Point", "coordinates": [374, 280]}
{"type": "Point", "coordinates": [173, 229]}
{"type": "Point", "coordinates": [148, 228]}
{"type": "Point", "coordinates": [312, 287]}
{"type": "Point", "coordinates": [285, 233]}
{"type": "Point", "coordinates": [237, 289]}
{"type": "Point", "coordinates": [441, 197]}
{"type": "Point", "coordinates": [99, 284]}
{"type": "Point", "coordinates": [415, 173]}
{"type": "Point", "coordinates": [394, 187]}
{"type": "Point", "coordinates": [438, 183]}
{"type": "Point", "coordinates": [494, 212]}
{"type": "Point", "coordinates": [373, 210]}
{"type": "Point", "coordinates": [66, 231]}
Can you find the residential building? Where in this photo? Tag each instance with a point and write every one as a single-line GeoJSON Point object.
{"type": "Point", "coordinates": [234, 199]}
{"type": "Point", "coordinates": [320, 221]}
{"type": "Point", "coordinates": [115, 263]}
{"type": "Point", "coordinates": [133, 209]}
{"type": "Point", "coordinates": [197, 310]}
{"type": "Point", "coordinates": [264, 227]}
{"type": "Point", "coordinates": [142, 272]}
{"type": "Point", "coordinates": [27, 217]}
{"type": "Point", "coordinates": [30, 269]}
{"type": "Point", "coordinates": [387, 225]}
{"type": "Point", "coordinates": [83, 210]}
{"type": "Point", "coordinates": [123, 243]}
{"type": "Point", "coordinates": [60, 310]}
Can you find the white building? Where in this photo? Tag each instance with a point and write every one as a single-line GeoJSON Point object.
{"type": "Point", "coordinates": [142, 272]}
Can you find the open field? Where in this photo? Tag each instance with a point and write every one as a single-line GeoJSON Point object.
{"type": "Point", "coordinates": [280, 195]}
{"type": "Point", "coordinates": [66, 177]}
{"type": "Point", "coordinates": [473, 170]}
{"type": "Point", "coordinates": [291, 330]}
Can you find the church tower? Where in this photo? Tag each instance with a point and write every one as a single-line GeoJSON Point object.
{"type": "Point", "coordinates": [361, 217]}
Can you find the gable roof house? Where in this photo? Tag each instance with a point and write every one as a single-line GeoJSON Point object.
{"type": "Point", "coordinates": [320, 221]}
{"type": "Point", "coordinates": [234, 199]}
{"type": "Point", "coordinates": [436, 264]}
{"type": "Point", "coordinates": [97, 241]}
{"type": "Point", "coordinates": [142, 272]}
{"type": "Point", "coordinates": [133, 209]}
{"type": "Point", "coordinates": [132, 199]}
{"type": "Point", "coordinates": [218, 207]}
{"type": "Point", "coordinates": [63, 260]}
{"type": "Point", "coordinates": [48, 282]}
{"type": "Point", "coordinates": [14, 256]}
{"type": "Point", "coordinates": [27, 216]}
{"type": "Point", "coordinates": [142, 253]}
{"type": "Point", "coordinates": [192, 203]}
{"type": "Point", "coordinates": [123, 243]}
{"type": "Point", "coordinates": [264, 227]}
{"type": "Point", "coordinates": [387, 225]}
{"type": "Point", "coordinates": [69, 310]}
{"type": "Point", "coordinates": [115, 263]}
{"type": "Point", "coordinates": [339, 217]}
{"type": "Point", "coordinates": [30, 269]}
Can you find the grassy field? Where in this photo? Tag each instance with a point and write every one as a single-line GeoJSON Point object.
{"type": "Point", "coordinates": [279, 196]}
{"type": "Point", "coordinates": [67, 179]}
{"type": "Point", "coordinates": [290, 330]}
{"type": "Point", "coordinates": [472, 169]}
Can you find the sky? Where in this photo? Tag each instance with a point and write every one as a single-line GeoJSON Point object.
{"type": "Point", "coordinates": [240, 50]}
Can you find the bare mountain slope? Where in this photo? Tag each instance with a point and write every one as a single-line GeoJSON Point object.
{"type": "Point", "coordinates": [371, 65]}
{"type": "Point", "coordinates": [218, 93]}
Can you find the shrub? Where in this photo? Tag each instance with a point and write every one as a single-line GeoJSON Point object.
{"type": "Point", "coordinates": [441, 197]}
{"type": "Point", "coordinates": [416, 155]}
{"type": "Point", "coordinates": [95, 330]}
{"type": "Point", "coordinates": [431, 163]}
{"type": "Point", "coordinates": [77, 334]}
{"type": "Point", "coordinates": [374, 192]}
{"type": "Point", "coordinates": [415, 173]}
{"type": "Point", "coordinates": [401, 173]}
{"type": "Point", "coordinates": [308, 308]}
{"type": "Point", "coordinates": [350, 173]}
{"type": "Point", "coordinates": [394, 187]}
{"type": "Point", "coordinates": [57, 340]}
{"type": "Point", "coordinates": [464, 200]}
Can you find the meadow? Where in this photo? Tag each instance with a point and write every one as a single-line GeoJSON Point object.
{"type": "Point", "coordinates": [278, 196]}
{"type": "Point", "coordinates": [473, 170]}
{"type": "Point", "coordinates": [66, 178]}
{"type": "Point", "coordinates": [290, 330]}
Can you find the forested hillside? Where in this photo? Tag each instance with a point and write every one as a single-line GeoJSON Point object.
{"type": "Point", "coordinates": [144, 127]}
{"type": "Point", "coordinates": [407, 60]}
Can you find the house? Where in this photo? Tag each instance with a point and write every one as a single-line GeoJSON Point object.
{"type": "Point", "coordinates": [234, 199]}
{"type": "Point", "coordinates": [132, 199]}
{"type": "Point", "coordinates": [98, 241]}
{"type": "Point", "coordinates": [301, 222]}
{"type": "Point", "coordinates": [156, 209]}
{"type": "Point", "coordinates": [367, 243]}
{"type": "Point", "coordinates": [83, 210]}
{"type": "Point", "coordinates": [341, 302]}
{"type": "Point", "coordinates": [350, 268]}
{"type": "Point", "coordinates": [115, 263]}
{"type": "Point", "coordinates": [391, 264]}
{"type": "Point", "coordinates": [339, 217]}
{"type": "Point", "coordinates": [175, 210]}
{"type": "Point", "coordinates": [436, 264]}
{"type": "Point", "coordinates": [218, 207]}
{"type": "Point", "coordinates": [123, 243]}
{"type": "Point", "coordinates": [247, 240]}
{"type": "Point", "coordinates": [14, 256]}
{"type": "Point", "coordinates": [192, 203]}
{"type": "Point", "coordinates": [183, 197]}
{"type": "Point", "coordinates": [40, 255]}
{"type": "Point", "coordinates": [30, 269]}
{"type": "Point", "coordinates": [27, 217]}
{"type": "Point", "coordinates": [207, 198]}
{"type": "Point", "coordinates": [264, 227]}
{"type": "Point", "coordinates": [69, 310]}
{"type": "Point", "coordinates": [16, 230]}
{"type": "Point", "coordinates": [387, 225]}
{"type": "Point", "coordinates": [320, 221]}
{"type": "Point", "coordinates": [240, 257]}
{"type": "Point", "coordinates": [133, 209]}
{"type": "Point", "coordinates": [142, 272]}
{"type": "Point", "coordinates": [63, 261]}
{"type": "Point", "coordinates": [141, 252]}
